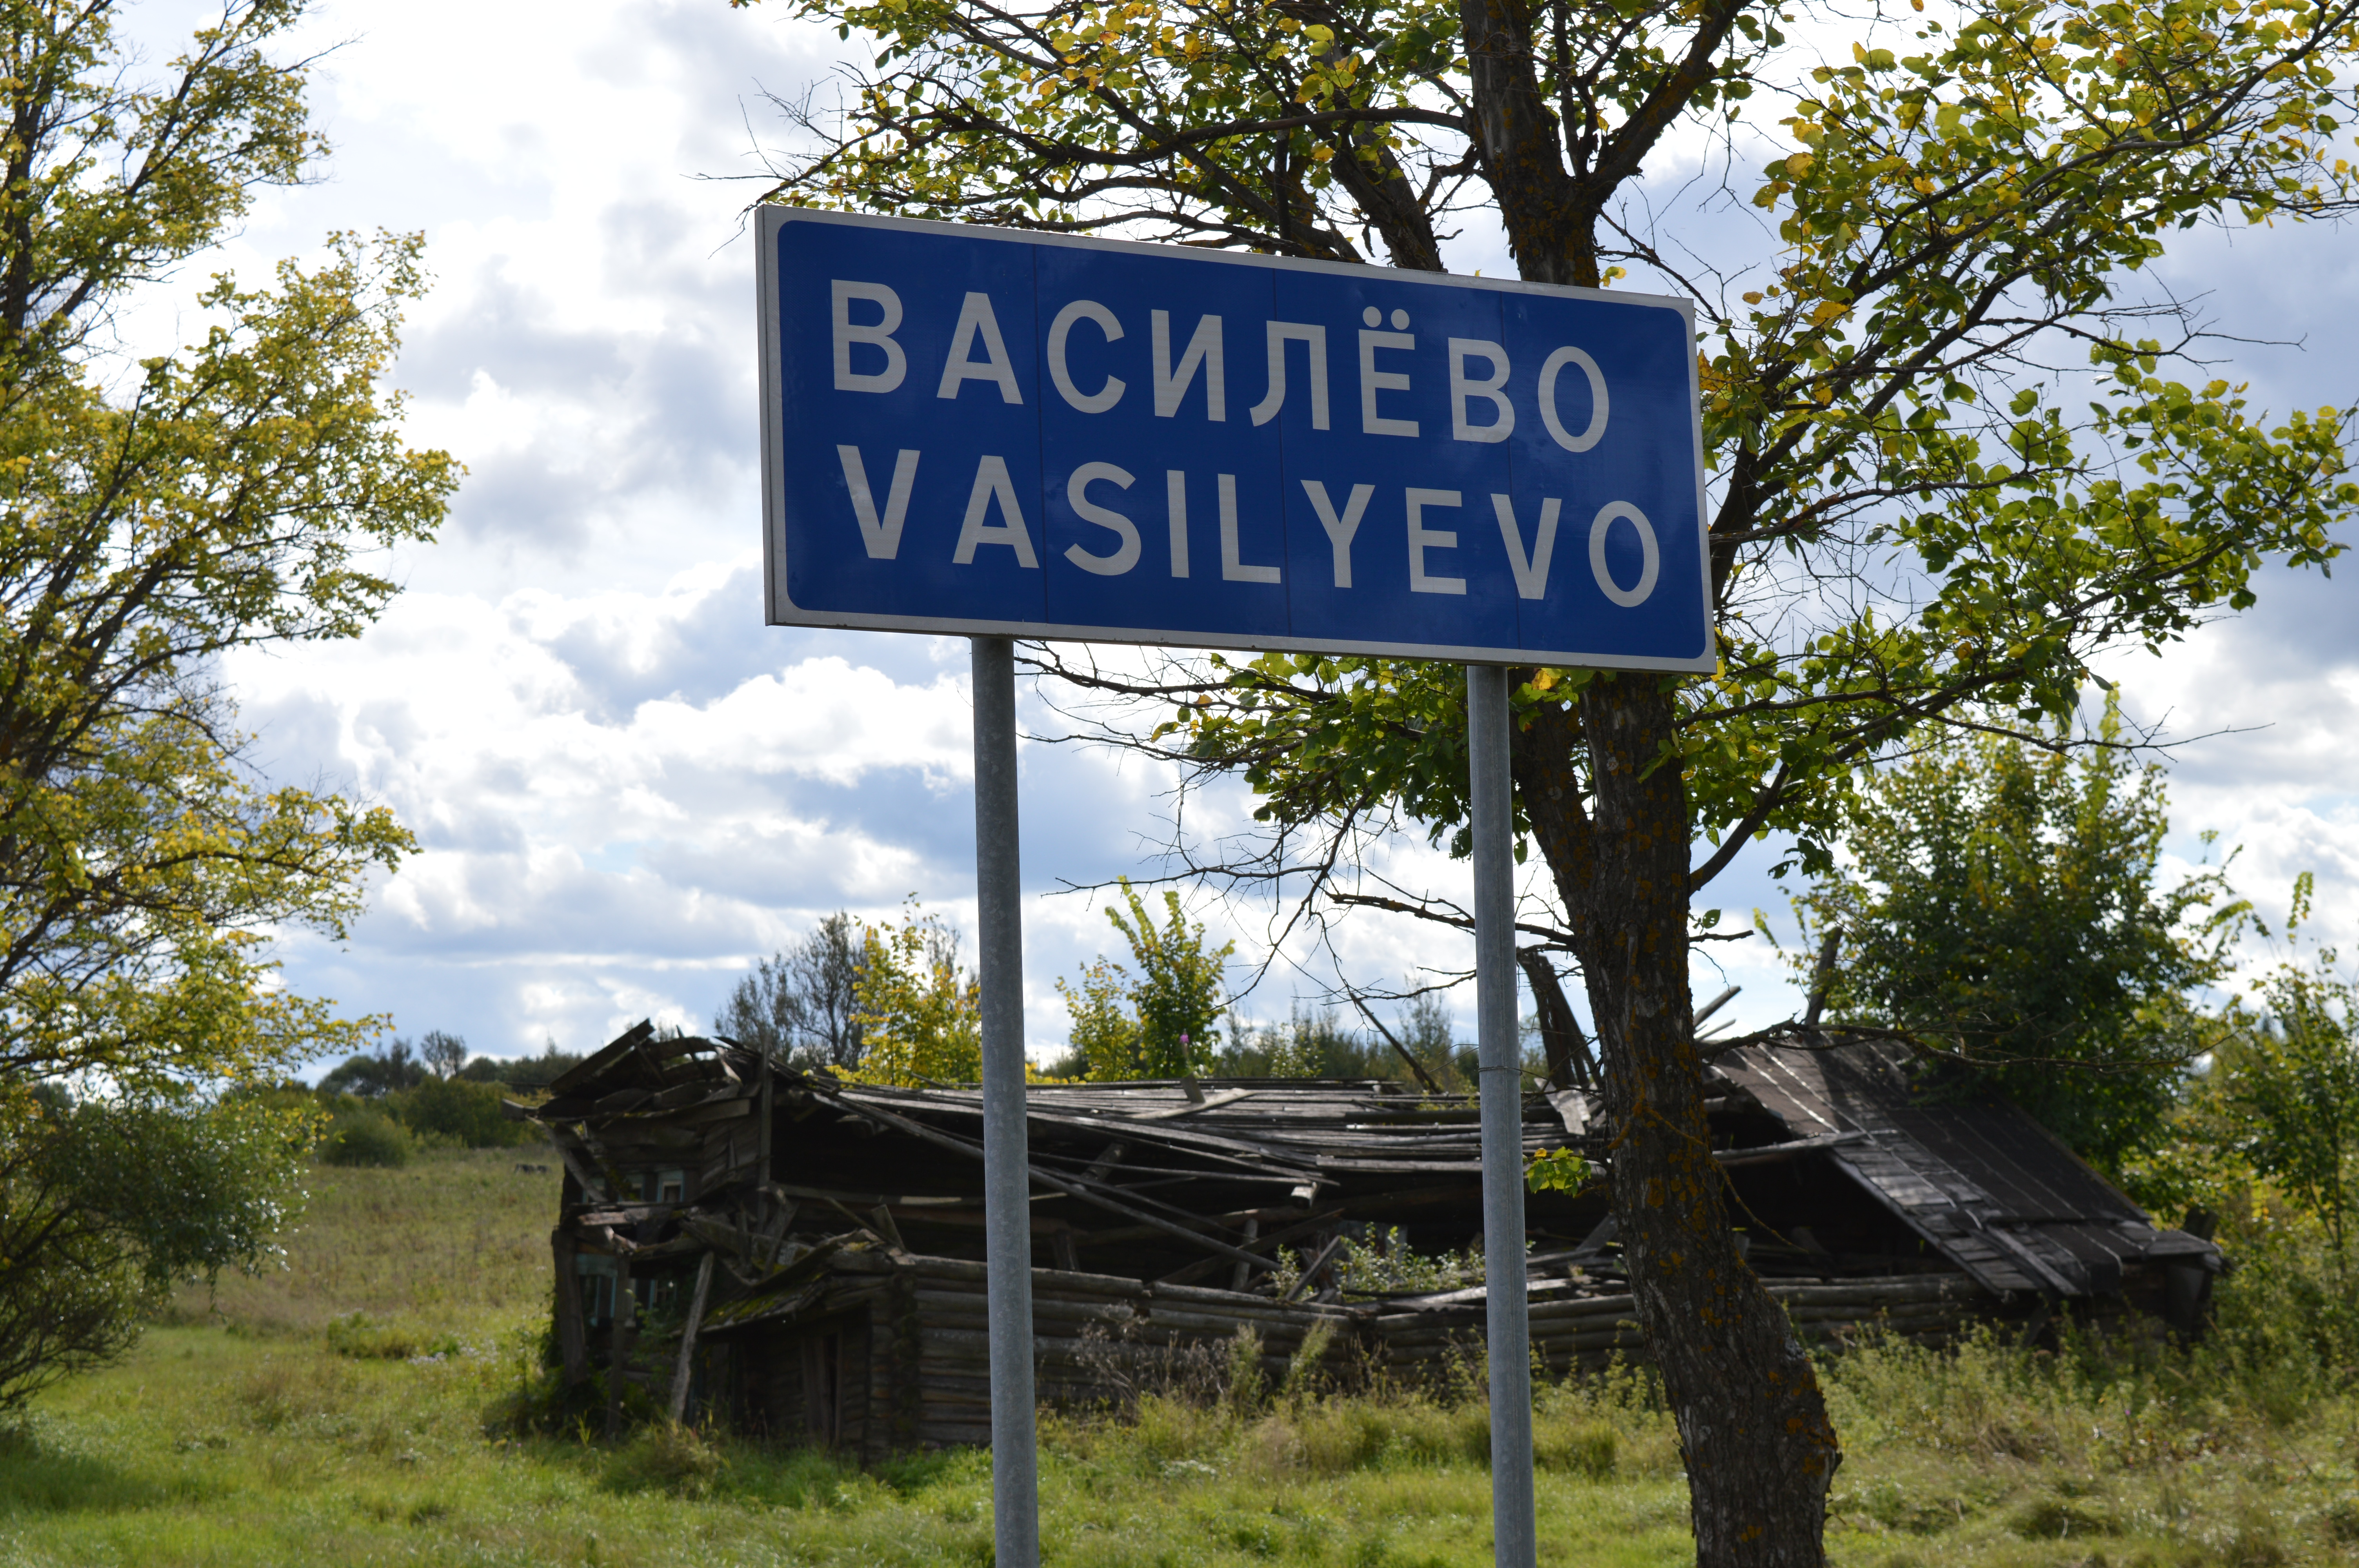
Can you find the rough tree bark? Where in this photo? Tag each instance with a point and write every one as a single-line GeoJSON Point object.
{"type": "Point", "coordinates": [1760, 1450]}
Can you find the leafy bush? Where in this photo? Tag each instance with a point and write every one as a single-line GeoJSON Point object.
{"type": "Point", "coordinates": [366, 1138]}
{"type": "Point", "coordinates": [365, 1338]}
{"type": "Point", "coordinates": [1383, 1263]}
{"type": "Point", "coordinates": [107, 1204]}
{"type": "Point", "coordinates": [459, 1111]}
{"type": "Point", "coordinates": [668, 1457]}
{"type": "Point", "coordinates": [1174, 1029]}
{"type": "Point", "coordinates": [918, 1012]}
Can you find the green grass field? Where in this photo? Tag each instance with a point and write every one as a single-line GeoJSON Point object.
{"type": "Point", "coordinates": [269, 1425]}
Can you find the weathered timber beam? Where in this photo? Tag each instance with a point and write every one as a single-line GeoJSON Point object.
{"type": "Point", "coordinates": [572, 1330]}
{"type": "Point", "coordinates": [1194, 1271]}
{"type": "Point", "coordinates": [1311, 1269]}
{"type": "Point", "coordinates": [688, 1338]}
{"type": "Point", "coordinates": [1086, 1191]}
{"type": "Point", "coordinates": [1201, 1102]}
{"type": "Point", "coordinates": [1772, 1153]}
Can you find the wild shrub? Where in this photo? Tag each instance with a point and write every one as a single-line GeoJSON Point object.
{"type": "Point", "coordinates": [1167, 1427]}
{"type": "Point", "coordinates": [365, 1338]}
{"type": "Point", "coordinates": [666, 1456]}
{"type": "Point", "coordinates": [1330, 1437]}
{"type": "Point", "coordinates": [459, 1112]}
{"type": "Point", "coordinates": [366, 1138]}
{"type": "Point", "coordinates": [1304, 1375]}
{"type": "Point", "coordinates": [1586, 1448]}
{"type": "Point", "coordinates": [2285, 1327]}
{"type": "Point", "coordinates": [1385, 1263]}
{"type": "Point", "coordinates": [1247, 1383]}
{"type": "Point", "coordinates": [541, 1403]}
{"type": "Point", "coordinates": [2063, 1519]}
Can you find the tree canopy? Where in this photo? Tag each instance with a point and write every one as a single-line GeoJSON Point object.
{"type": "Point", "coordinates": [919, 1010]}
{"type": "Point", "coordinates": [799, 1005]}
{"type": "Point", "coordinates": [157, 513]}
{"type": "Point", "coordinates": [1998, 905]}
{"type": "Point", "coordinates": [1959, 443]}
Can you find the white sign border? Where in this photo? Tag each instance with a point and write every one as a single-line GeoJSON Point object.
{"type": "Point", "coordinates": [768, 220]}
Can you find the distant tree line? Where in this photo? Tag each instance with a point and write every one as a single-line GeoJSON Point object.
{"type": "Point", "coordinates": [800, 1007]}
{"type": "Point", "coordinates": [384, 1105]}
{"type": "Point", "coordinates": [891, 1003]}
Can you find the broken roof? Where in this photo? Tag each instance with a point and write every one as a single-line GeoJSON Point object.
{"type": "Point", "coordinates": [1235, 1168]}
{"type": "Point", "coordinates": [1988, 1187]}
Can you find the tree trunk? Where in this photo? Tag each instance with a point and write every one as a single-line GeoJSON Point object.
{"type": "Point", "coordinates": [1567, 1053]}
{"type": "Point", "coordinates": [1760, 1452]}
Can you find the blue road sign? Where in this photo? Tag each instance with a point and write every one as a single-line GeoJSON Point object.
{"type": "Point", "coordinates": [988, 431]}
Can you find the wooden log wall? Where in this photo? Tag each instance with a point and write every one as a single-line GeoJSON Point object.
{"type": "Point", "coordinates": [1099, 1340]}
{"type": "Point", "coordinates": [1588, 1331]}
{"type": "Point", "coordinates": [906, 1363]}
{"type": "Point", "coordinates": [922, 1368]}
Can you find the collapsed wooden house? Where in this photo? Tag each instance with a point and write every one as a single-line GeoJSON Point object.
{"type": "Point", "coordinates": [805, 1254]}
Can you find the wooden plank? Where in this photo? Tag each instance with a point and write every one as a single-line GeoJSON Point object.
{"type": "Point", "coordinates": [1087, 1192]}
{"type": "Point", "coordinates": [2054, 1264]}
{"type": "Point", "coordinates": [1771, 1154]}
{"type": "Point", "coordinates": [609, 1055]}
{"type": "Point", "coordinates": [572, 1333]}
{"type": "Point", "coordinates": [1994, 1270]}
{"type": "Point", "coordinates": [1226, 1096]}
{"type": "Point", "coordinates": [1056, 1280]}
{"type": "Point", "coordinates": [591, 1182]}
{"type": "Point", "coordinates": [688, 1338]}
{"type": "Point", "coordinates": [1254, 1153]}
{"type": "Point", "coordinates": [1241, 1277]}
{"type": "Point", "coordinates": [625, 1313]}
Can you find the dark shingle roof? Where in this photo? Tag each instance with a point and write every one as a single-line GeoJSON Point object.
{"type": "Point", "coordinates": [1986, 1185]}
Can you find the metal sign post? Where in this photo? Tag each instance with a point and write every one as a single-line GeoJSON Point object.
{"type": "Point", "coordinates": [1499, 1057]}
{"type": "Point", "coordinates": [1006, 1182]}
{"type": "Point", "coordinates": [998, 434]}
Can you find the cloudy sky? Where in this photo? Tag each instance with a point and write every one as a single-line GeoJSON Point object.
{"type": "Point", "coordinates": [627, 788]}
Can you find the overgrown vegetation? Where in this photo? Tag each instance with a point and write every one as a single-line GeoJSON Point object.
{"type": "Point", "coordinates": [349, 1408]}
{"type": "Point", "coordinates": [1952, 469]}
{"type": "Point", "coordinates": [2000, 908]}
{"type": "Point", "coordinates": [166, 503]}
{"type": "Point", "coordinates": [2001, 912]}
{"type": "Point", "coordinates": [383, 1104]}
{"type": "Point", "coordinates": [919, 1010]}
{"type": "Point", "coordinates": [1164, 1021]}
